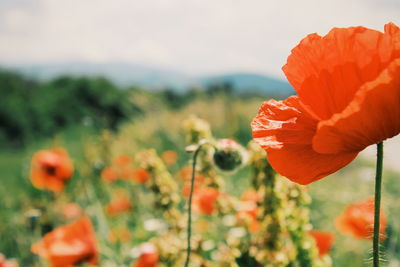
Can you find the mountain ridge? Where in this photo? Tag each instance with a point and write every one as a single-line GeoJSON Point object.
{"type": "Point", "coordinates": [127, 74]}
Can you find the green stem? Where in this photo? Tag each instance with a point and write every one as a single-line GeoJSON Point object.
{"type": "Point", "coordinates": [377, 205]}
{"type": "Point", "coordinates": [189, 231]}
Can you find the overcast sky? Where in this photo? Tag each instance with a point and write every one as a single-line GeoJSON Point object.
{"type": "Point", "coordinates": [193, 36]}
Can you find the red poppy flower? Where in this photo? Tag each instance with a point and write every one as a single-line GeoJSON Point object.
{"type": "Point", "coordinates": [323, 241]}
{"type": "Point", "coordinates": [205, 199]}
{"type": "Point", "coordinates": [7, 263]}
{"type": "Point", "coordinates": [198, 184]}
{"type": "Point", "coordinates": [50, 169]}
{"type": "Point", "coordinates": [347, 85]}
{"type": "Point", "coordinates": [119, 234]}
{"type": "Point", "coordinates": [140, 175]}
{"type": "Point", "coordinates": [118, 206]}
{"type": "Point", "coordinates": [248, 211]}
{"type": "Point", "coordinates": [68, 245]}
{"type": "Point", "coordinates": [358, 220]}
{"type": "Point", "coordinates": [109, 174]}
{"type": "Point", "coordinates": [169, 157]}
{"type": "Point", "coordinates": [122, 161]}
{"type": "Point", "coordinates": [250, 195]}
{"type": "Point", "coordinates": [71, 210]}
{"type": "Point", "coordinates": [148, 256]}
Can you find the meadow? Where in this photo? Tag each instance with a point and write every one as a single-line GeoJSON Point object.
{"type": "Point", "coordinates": [154, 137]}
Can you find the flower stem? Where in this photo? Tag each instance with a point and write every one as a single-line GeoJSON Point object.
{"type": "Point", "coordinates": [189, 231]}
{"type": "Point", "coordinates": [377, 205]}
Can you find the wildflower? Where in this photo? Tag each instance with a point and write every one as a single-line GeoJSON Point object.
{"type": "Point", "coordinates": [109, 174]}
{"type": "Point", "coordinates": [248, 211]}
{"type": "Point", "coordinates": [205, 199]}
{"type": "Point", "coordinates": [169, 157]}
{"type": "Point", "coordinates": [119, 234]}
{"type": "Point", "coordinates": [7, 263]}
{"type": "Point", "coordinates": [140, 175]}
{"type": "Point", "coordinates": [347, 85]}
{"type": "Point", "coordinates": [323, 240]}
{"type": "Point", "coordinates": [185, 173]}
{"type": "Point", "coordinates": [51, 169]}
{"type": "Point", "coordinates": [357, 220]}
{"type": "Point", "coordinates": [198, 182]}
{"type": "Point", "coordinates": [68, 245]}
{"type": "Point", "coordinates": [250, 195]}
{"type": "Point", "coordinates": [71, 211]}
{"type": "Point", "coordinates": [148, 257]}
{"type": "Point", "coordinates": [122, 161]}
{"type": "Point", "coordinates": [119, 205]}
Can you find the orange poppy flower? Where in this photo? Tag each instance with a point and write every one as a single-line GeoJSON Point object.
{"type": "Point", "coordinates": [7, 263]}
{"type": "Point", "coordinates": [250, 195]}
{"type": "Point", "coordinates": [119, 205]}
{"type": "Point", "coordinates": [198, 182]}
{"type": "Point", "coordinates": [357, 220]}
{"type": "Point", "coordinates": [248, 211]}
{"type": "Point", "coordinates": [71, 210]}
{"type": "Point", "coordinates": [119, 234]}
{"type": "Point", "coordinates": [109, 174]}
{"type": "Point", "coordinates": [140, 175]}
{"type": "Point", "coordinates": [148, 257]}
{"type": "Point", "coordinates": [51, 169]}
{"type": "Point", "coordinates": [122, 161]}
{"type": "Point", "coordinates": [347, 85]}
{"type": "Point", "coordinates": [205, 199]}
{"type": "Point", "coordinates": [169, 157]}
{"type": "Point", "coordinates": [68, 245]}
{"type": "Point", "coordinates": [323, 241]}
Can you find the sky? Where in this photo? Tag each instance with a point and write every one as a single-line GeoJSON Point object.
{"type": "Point", "coordinates": [196, 37]}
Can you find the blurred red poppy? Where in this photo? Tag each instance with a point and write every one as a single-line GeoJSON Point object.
{"type": "Point", "coordinates": [140, 175]}
{"type": "Point", "coordinates": [198, 182]}
{"type": "Point", "coordinates": [51, 169]}
{"type": "Point", "coordinates": [347, 85]}
{"type": "Point", "coordinates": [148, 256]}
{"type": "Point", "coordinates": [169, 157]}
{"type": "Point", "coordinates": [122, 161]}
{"type": "Point", "coordinates": [248, 211]}
{"type": "Point", "coordinates": [205, 199]}
{"type": "Point", "coordinates": [119, 205]}
{"type": "Point", "coordinates": [250, 195]}
{"type": "Point", "coordinates": [69, 245]}
{"type": "Point", "coordinates": [119, 234]}
{"type": "Point", "coordinates": [71, 210]}
{"type": "Point", "coordinates": [323, 240]}
{"type": "Point", "coordinates": [357, 220]}
{"type": "Point", "coordinates": [7, 263]}
{"type": "Point", "coordinates": [109, 174]}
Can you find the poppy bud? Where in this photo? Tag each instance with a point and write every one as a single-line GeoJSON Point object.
{"type": "Point", "coordinates": [228, 155]}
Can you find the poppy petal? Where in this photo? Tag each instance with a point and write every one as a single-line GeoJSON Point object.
{"type": "Point", "coordinates": [371, 117]}
{"type": "Point", "coordinates": [285, 130]}
{"type": "Point", "coordinates": [327, 71]}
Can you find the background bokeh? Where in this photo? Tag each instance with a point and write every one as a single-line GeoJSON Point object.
{"type": "Point", "coordinates": [72, 71]}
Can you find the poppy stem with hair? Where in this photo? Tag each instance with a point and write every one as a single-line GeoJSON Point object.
{"type": "Point", "coordinates": [377, 205]}
{"type": "Point", "coordinates": [189, 231]}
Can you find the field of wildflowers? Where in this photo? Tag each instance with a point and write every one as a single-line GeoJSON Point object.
{"type": "Point", "coordinates": [199, 186]}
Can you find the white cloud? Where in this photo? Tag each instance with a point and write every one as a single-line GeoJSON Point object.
{"type": "Point", "coordinates": [195, 36]}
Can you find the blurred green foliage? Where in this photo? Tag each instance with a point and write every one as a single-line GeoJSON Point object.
{"type": "Point", "coordinates": [30, 109]}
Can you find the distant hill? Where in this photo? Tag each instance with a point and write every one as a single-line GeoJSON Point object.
{"type": "Point", "coordinates": [125, 74]}
{"type": "Point", "coordinates": [249, 82]}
